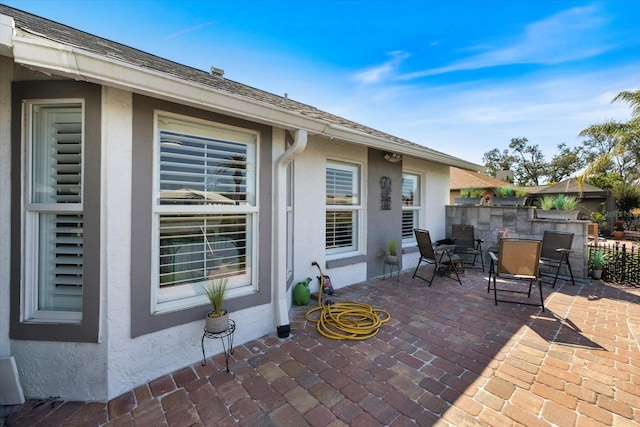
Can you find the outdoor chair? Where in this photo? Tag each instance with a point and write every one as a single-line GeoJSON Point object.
{"type": "Point", "coordinates": [556, 248]}
{"type": "Point", "coordinates": [466, 244]}
{"type": "Point", "coordinates": [518, 260]}
{"type": "Point", "coordinates": [442, 257]}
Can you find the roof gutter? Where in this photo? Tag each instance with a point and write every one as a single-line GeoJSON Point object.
{"type": "Point", "coordinates": [49, 56]}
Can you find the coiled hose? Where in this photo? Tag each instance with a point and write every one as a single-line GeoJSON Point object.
{"type": "Point", "coordinates": [345, 320]}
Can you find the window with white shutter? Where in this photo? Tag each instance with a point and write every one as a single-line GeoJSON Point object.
{"type": "Point", "coordinates": [343, 208]}
{"type": "Point", "coordinates": [410, 207]}
{"type": "Point", "coordinates": [54, 212]}
{"type": "Point", "coordinates": [205, 210]}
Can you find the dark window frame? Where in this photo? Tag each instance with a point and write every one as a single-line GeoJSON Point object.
{"type": "Point", "coordinates": [88, 329]}
{"type": "Point", "coordinates": [143, 321]}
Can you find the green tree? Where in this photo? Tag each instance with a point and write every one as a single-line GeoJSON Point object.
{"type": "Point", "coordinates": [614, 150]}
{"type": "Point", "coordinates": [529, 164]}
{"type": "Point", "coordinates": [496, 161]}
{"type": "Point", "coordinates": [566, 163]}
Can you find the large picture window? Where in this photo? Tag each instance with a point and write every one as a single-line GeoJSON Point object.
{"type": "Point", "coordinates": [343, 208]}
{"type": "Point", "coordinates": [54, 212]}
{"type": "Point", "coordinates": [205, 210]}
{"type": "Point", "coordinates": [410, 207]}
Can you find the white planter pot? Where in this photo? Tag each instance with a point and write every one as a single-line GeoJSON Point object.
{"type": "Point", "coordinates": [509, 201]}
{"type": "Point", "coordinates": [557, 214]}
{"type": "Point", "coordinates": [217, 324]}
{"type": "Point", "coordinates": [467, 200]}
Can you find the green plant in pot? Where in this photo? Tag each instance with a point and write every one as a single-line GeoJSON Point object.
{"type": "Point", "coordinates": [469, 196]}
{"type": "Point", "coordinates": [598, 260]}
{"type": "Point", "coordinates": [506, 191]}
{"type": "Point", "coordinates": [509, 196]}
{"type": "Point", "coordinates": [217, 319]}
{"type": "Point", "coordinates": [392, 251]}
{"type": "Point", "coordinates": [559, 206]}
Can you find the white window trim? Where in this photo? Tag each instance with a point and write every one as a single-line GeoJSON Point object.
{"type": "Point", "coordinates": [410, 242]}
{"type": "Point", "coordinates": [31, 213]}
{"type": "Point", "coordinates": [188, 297]}
{"type": "Point", "coordinates": [358, 209]}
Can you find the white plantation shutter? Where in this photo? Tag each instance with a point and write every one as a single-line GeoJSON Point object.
{"type": "Point", "coordinates": [196, 248]}
{"type": "Point", "coordinates": [410, 206]}
{"type": "Point", "coordinates": [206, 209]}
{"type": "Point", "coordinates": [343, 206]}
{"type": "Point", "coordinates": [56, 205]}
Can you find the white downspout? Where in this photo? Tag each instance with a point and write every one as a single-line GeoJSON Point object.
{"type": "Point", "coordinates": [280, 232]}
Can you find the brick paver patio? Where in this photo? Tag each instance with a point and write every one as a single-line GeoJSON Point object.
{"type": "Point", "coordinates": [448, 357]}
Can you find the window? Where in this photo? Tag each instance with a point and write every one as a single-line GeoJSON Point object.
{"type": "Point", "coordinates": [410, 206]}
{"type": "Point", "coordinates": [54, 222]}
{"type": "Point", "coordinates": [205, 210]}
{"type": "Point", "coordinates": [344, 207]}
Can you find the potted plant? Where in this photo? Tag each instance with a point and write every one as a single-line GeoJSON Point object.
{"type": "Point", "coordinates": [560, 207]}
{"type": "Point", "coordinates": [217, 319]}
{"type": "Point", "coordinates": [469, 196]}
{"type": "Point", "coordinates": [392, 251]}
{"type": "Point", "coordinates": [508, 196]}
{"type": "Point", "coordinates": [597, 264]}
{"type": "Point", "coordinates": [618, 230]}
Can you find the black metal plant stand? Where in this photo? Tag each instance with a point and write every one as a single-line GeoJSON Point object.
{"type": "Point", "coordinates": [391, 264]}
{"type": "Point", "coordinates": [226, 334]}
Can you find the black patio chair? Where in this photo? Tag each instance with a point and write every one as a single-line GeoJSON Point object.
{"type": "Point", "coordinates": [517, 260]}
{"type": "Point", "coordinates": [466, 243]}
{"type": "Point", "coordinates": [442, 257]}
{"type": "Point", "coordinates": [556, 248]}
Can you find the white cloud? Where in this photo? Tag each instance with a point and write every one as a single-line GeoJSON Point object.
{"type": "Point", "coordinates": [187, 30]}
{"type": "Point", "coordinates": [383, 71]}
{"type": "Point", "coordinates": [468, 119]}
{"type": "Point", "coordinates": [569, 35]}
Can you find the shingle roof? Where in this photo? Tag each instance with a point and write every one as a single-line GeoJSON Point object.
{"type": "Point", "coordinates": [569, 185]}
{"type": "Point", "coordinates": [82, 40]}
{"type": "Point", "coordinates": [460, 178]}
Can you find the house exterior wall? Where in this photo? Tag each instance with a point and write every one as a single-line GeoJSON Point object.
{"type": "Point", "coordinates": [6, 76]}
{"type": "Point", "coordinates": [382, 224]}
{"type": "Point", "coordinates": [119, 359]}
{"type": "Point", "coordinates": [310, 209]}
{"type": "Point", "coordinates": [434, 196]}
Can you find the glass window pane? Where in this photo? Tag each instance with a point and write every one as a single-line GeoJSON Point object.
{"type": "Point", "coordinates": [60, 262]}
{"type": "Point", "coordinates": [410, 190]}
{"type": "Point", "coordinates": [206, 171]}
{"type": "Point", "coordinates": [341, 233]}
{"type": "Point", "coordinates": [409, 222]}
{"type": "Point", "coordinates": [342, 184]}
{"type": "Point", "coordinates": [197, 248]}
{"type": "Point", "coordinates": [56, 153]}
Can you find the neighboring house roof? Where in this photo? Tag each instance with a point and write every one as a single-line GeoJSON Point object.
{"type": "Point", "coordinates": [89, 47]}
{"type": "Point", "coordinates": [568, 186]}
{"type": "Point", "coordinates": [461, 178]}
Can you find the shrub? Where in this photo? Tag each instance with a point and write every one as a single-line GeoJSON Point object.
{"type": "Point", "coordinates": [598, 259]}
{"type": "Point", "coordinates": [559, 202]}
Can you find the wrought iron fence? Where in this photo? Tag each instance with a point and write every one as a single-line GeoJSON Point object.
{"type": "Point", "coordinates": [622, 262]}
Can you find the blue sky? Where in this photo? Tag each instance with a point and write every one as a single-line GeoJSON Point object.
{"type": "Point", "coordinates": [462, 77]}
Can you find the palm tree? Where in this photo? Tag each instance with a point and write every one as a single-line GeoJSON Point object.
{"type": "Point", "coordinates": [616, 149]}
